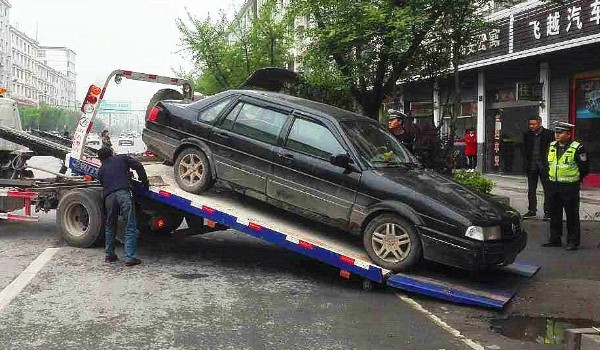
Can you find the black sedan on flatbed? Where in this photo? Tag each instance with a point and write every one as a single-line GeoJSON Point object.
{"type": "Point", "coordinates": [335, 167]}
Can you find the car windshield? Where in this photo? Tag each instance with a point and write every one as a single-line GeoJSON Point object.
{"type": "Point", "coordinates": [376, 146]}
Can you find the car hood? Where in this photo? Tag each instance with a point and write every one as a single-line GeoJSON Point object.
{"type": "Point", "coordinates": [437, 194]}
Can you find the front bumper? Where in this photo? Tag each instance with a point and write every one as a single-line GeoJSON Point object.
{"type": "Point", "coordinates": [469, 254]}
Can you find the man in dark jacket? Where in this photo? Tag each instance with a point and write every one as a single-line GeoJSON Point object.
{"type": "Point", "coordinates": [114, 177]}
{"type": "Point", "coordinates": [535, 150]}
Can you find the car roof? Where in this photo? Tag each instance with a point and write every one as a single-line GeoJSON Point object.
{"type": "Point", "coordinates": [304, 105]}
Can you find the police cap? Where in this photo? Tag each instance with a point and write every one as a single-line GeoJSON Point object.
{"type": "Point", "coordinates": [563, 126]}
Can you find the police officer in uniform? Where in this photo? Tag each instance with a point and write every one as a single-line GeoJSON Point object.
{"type": "Point", "coordinates": [567, 165]}
{"type": "Point", "coordinates": [399, 126]}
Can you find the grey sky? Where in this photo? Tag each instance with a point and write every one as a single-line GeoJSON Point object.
{"type": "Point", "coordinates": [139, 35]}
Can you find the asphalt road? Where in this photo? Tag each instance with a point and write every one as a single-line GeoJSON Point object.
{"type": "Point", "coordinates": [227, 290]}
{"type": "Point", "coordinates": [223, 290]}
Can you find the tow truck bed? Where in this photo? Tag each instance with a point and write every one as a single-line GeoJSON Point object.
{"type": "Point", "coordinates": [303, 236]}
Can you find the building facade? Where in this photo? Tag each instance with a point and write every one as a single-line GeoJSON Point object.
{"type": "Point", "coordinates": [62, 61]}
{"type": "Point", "coordinates": [536, 58]}
{"type": "Point", "coordinates": [33, 74]}
{"type": "Point", "coordinates": [5, 69]}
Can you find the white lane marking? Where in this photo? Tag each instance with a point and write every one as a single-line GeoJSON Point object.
{"type": "Point", "coordinates": [472, 344]}
{"type": "Point", "coordinates": [18, 284]}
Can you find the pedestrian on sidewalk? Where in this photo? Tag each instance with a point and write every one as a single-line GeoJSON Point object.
{"type": "Point", "coordinates": [471, 149]}
{"type": "Point", "coordinates": [114, 176]}
{"type": "Point", "coordinates": [536, 142]}
{"type": "Point", "coordinates": [568, 164]}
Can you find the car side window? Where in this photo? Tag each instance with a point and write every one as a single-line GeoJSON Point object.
{"type": "Point", "coordinates": [259, 123]}
{"type": "Point", "coordinates": [228, 122]}
{"type": "Point", "coordinates": [211, 113]}
{"type": "Point", "coordinates": [313, 139]}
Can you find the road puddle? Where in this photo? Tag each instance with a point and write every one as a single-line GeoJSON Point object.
{"type": "Point", "coordinates": [541, 330]}
{"type": "Point", "coordinates": [189, 276]}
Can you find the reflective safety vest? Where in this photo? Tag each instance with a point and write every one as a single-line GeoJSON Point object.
{"type": "Point", "coordinates": [564, 169]}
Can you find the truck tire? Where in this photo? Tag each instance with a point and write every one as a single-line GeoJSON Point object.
{"type": "Point", "coordinates": [80, 217]}
{"type": "Point", "coordinates": [161, 95]}
{"type": "Point", "coordinates": [192, 171]}
{"type": "Point", "coordinates": [392, 242]}
{"type": "Point", "coordinates": [172, 221]}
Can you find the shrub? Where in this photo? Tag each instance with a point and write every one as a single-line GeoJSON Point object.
{"type": "Point", "coordinates": [473, 180]}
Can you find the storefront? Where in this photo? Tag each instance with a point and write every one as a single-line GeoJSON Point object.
{"type": "Point", "coordinates": [585, 114]}
{"type": "Point", "coordinates": [534, 59]}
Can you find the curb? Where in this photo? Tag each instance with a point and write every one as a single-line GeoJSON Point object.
{"type": "Point", "coordinates": [523, 190]}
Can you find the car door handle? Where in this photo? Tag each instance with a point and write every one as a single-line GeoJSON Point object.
{"type": "Point", "coordinates": [222, 135]}
{"type": "Point", "coordinates": [285, 157]}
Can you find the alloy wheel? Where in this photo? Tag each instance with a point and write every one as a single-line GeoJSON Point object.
{"type": "Point", "coordinates": [391, 242]}
{"type": "Point", "coordinates": [191, 169]}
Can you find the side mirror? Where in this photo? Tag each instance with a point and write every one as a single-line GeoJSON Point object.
{"type": "Point", "coordinates": [341, 160]}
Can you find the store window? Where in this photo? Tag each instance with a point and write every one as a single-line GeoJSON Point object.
{"type": "Point", "coordinates": [422, 112]}
{"type": "Point", "coordinates": [585, 114]}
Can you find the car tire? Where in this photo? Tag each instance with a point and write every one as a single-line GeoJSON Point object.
{"type": "Point", "coordinates": [80, 217]}
{"type": "Point", "coordinates": [195, 180]}
{"type": "Point", "coordinates": [392, 242]}
{"type": "Point", "coordinates": [161, 95]}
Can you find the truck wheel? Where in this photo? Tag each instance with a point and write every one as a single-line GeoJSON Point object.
{"type": "Point", "coordinates": [161, 95]}
{"type": "Point", "coordinates": [80, 217]}
{"type": "Point", "coordinates": [392, 242]}
{"type": "Point", "coordinates": [192, 171]}
{"type": "Point", "coordinates": [146, 227]}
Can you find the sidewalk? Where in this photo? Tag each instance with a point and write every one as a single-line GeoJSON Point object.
{"type": "Point", "coordinates": [515, 187]}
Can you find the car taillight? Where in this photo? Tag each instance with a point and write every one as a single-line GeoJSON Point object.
{"type": "Point", "coordinates": [153, 115]}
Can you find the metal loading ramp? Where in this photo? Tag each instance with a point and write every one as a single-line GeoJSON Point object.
{"type": "Point", "coordinates": [328, 245]}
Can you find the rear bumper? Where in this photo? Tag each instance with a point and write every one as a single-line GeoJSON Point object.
{"type": "Point", "coordinates": [472, 255]}
{"type": "Point", "coordinates": [159, 144]}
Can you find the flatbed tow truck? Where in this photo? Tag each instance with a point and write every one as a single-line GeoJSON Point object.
{"type": "Point", "coordinates": [162, 208]}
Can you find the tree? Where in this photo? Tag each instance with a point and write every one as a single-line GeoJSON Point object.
{"type": "Point", "coordinates": [49, 118]}
{"type": "Point", "coordinates": [226, 52]}
{"type": "Point", "coordinates": [374, 43]}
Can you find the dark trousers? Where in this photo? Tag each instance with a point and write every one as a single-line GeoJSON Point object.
{"type": "Point", "coordinates": [471, 162]}
{"type": "Point", "coordinates": [532, 182]}
{"type": "Point", "coordinates": [120, 202]}
{"type": "Point", "coordinates": [564, 196]}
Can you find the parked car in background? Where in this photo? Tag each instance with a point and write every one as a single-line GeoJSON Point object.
{"type": "Point", "coordinates": [125, 140]}
{"type": "Point", "coordinates": [335, 167]}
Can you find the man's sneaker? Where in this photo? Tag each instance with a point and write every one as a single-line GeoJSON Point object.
{"type": "Point", "coordinates": [572, 247]}
{"type": "Point", "coordinates": [529, 215]}
{"type": "Point", "coordinates": [133, 262]}
{"type": "Point", "coordinates": [111, 258]}
{"type": "Point", "coordinates": [552, 244]}
{"type": "Point", "coordinates": [546, 217]}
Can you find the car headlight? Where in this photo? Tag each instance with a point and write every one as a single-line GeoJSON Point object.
{"type": "Point", "coordinates": [484, 233]}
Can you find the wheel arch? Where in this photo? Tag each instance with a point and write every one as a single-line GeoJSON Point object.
{"type": "Point", "coordinates": [202, 146]}
{"type": "Point", "coordinates": [391, 207]}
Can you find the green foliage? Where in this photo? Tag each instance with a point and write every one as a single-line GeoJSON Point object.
{"type": "Point", "coordinates": [473, 180]}
{"type": "Point", "coordinates": [48, 118]}
{"type": "Point", "coordinates": [374, 43]}
{"type": "Point", "coordinates": [226, 52]}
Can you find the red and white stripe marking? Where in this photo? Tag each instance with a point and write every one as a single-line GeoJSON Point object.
{"type": "Point", "coordinates": [18, 217]}
{"type": "Point", "coordinates": [18, 194]}
{"type": "Point", "coordinates": [153, 78]}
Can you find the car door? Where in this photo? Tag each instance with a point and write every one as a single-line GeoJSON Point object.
{"type": "Point", "coordinates": [244, 140]}
{"type": "Point", "coordinates": [304, 177]}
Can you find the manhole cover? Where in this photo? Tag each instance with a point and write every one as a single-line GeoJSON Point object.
{"type": "Point", "coordinates": [189, 276]}
{"type": "Point", "coordinates": [541, 330]}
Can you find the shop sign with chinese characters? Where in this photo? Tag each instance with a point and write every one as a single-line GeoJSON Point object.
{"type": "Point", "coordinates": [489, 42]}
{"type": "Point", "coordinates": [549, 25]}
{"type": "Point", "coordinates": [545, 27]}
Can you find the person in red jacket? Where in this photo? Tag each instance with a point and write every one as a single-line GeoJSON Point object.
{"type": "Point", "coordinates": [471, 149]}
